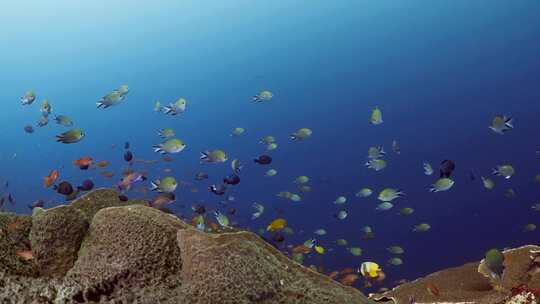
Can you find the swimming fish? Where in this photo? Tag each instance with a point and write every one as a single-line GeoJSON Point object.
{"type": "Point", "coordinates": [166, 184]}
{"type": "Point", "coordinates": [173, 145]}
{"type": "Point", "coordinates": [111, 99]}
{"type": "Point", "coordinates": [43, 121]}
{"type": "Point", "coordinates": [376, 164]}
{"type": "Point", "coordinates": [488, 183]}
{"type": "Point", "coordinates": [341, 215]}
{"type": "Point", "coordinates": [396, 147]}
{"type": "Point", "coordinates": [302, 179]}
{"type": "Point", "coordinates": [28, 98]}
{"type": "Point", "coordinates": [376, 152]}
{"type": "Point", "coordinates": [130, 179]}
{"type": "Point", "coordinates": [340, 200]}
{"type": "Point", "coordinates": [376, 117]}
{"type": "Point", "coordinates": [64, 188]}
{"type": "Point", "coordinates": [428, 169]}
{"type": "Point", "coordinates": [166, 133]}
{"type": "Point", "coordinates": [214, 156]}
{"type": "Point", "coordinates": [446, 168]}
{"type": "Point", "coordinates": [237, 132]}
{"type": "Point", "coordinates": [494, 261]}
{"type": "Point", "coordinates": [263, 160]}
{"type": "Point", "coordinates": [217, 189]}
{"type": "Point", "coordinates": [271, 172]}
{"type": "Point", "coordinates": [70, 137]}
{"type": "Point", "coordinates": [63, 120]}
{"type": "Point", "coordinates": [390, 194]}
{"type": "Point", "coordinates": [178, 107]}
{"type": "Point", "coordinates": [506, 171]}
{"type": "Point", "coordinates": [264, 95]}
{"type": "Point", "coordinates": [395, 261]}
{"type": "Point", "coordinates": [46, 108]}
{"type": "Point", "coordinates": [277, 224]}
{"type": "Point", "coordinates": [222, 219]}
{"type": "Point", "coordinates": [384, 206]}
{"type": "Point", "coordinates": [356, 251]}
{"type": "Point", "coordinates": [86, 185]}
{"type": "Point", "coordinates": [442, 184]}
{"type": "Point", "coordinates": [29, 129]}
{"type": "Point", "coordinates": [395, 250]}
{"type": "Point", "coordinates": [50, 179]}
{"type": "Point", "coordinates": [259, 210]}
{"type": "Point", "coordinates": [236, 166]}
{"type": "Point", "coordinates": [501, 124]}
{"type": "Point", "coordinates": [232, 179]}
{"type": "Point", "coordinates": [301, 134]}
{"type": "Point", "coordinates": [422, 227]}
{"type": "Point", "coordinates": [370, 269]}
{"type": "Point", "coordinates": [364, 192]}
{"type": "Point", "coordinates": [84, 162]}
{"type": "Point", "coordinates": [271, 147]}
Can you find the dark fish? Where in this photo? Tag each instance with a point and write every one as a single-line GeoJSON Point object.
{"type": "Point", "coordinates": [86, 185]}
{"type": "Point", "coordinates": [201, 176]}
{"type": "Point", "coordinates": [29, 129]}
{"type": "Point", "coordinates": [446, 168]}
{"type": "Point", "coordinates": [278, 238]}
{"type": "Point", "coordinates": [263, 160]}
{"type": "Point", "coordinates": [128, 156]}
{"type": "Point", "coordinates": [64, 188]}
{"type": "Point", "coordinates": [231, 211]}
{"type": "Point", "coordinates": [165, 209]}
{"type": "Point", "coordinates": [10, 199]}
{"type": "Point", "coordinates": [6, 184]}
{"type": "Point", "coordinates": [232, 179]}
{"type": "Point", "coordinates": [126, 145]}
{"type": "Point", "coordinates": [39, 203]}
{"type": "Point", "coordinates": [123, 198]}
{"type": "Point", "coordinates": [200, 209]}
{"type": "Point", "coordinates": [472, 176]}
{"type": "Point", "coordinates": [2, 201]}
{"type": "Point", "coordinates": [217, 189]}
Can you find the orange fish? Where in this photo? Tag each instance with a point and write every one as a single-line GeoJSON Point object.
{"type": "Point", "coordinates": [432, 289]}
{"type": "Point", "coordinates": [301, 249]}
{"type": "Point", "coordinates": [349, 279]}
{"type": "Point", "coordinates": [50, 179]}
{"type": "Point", "coordinates": [103, 163]}
{"type": "Point", "coordinates": [107, 174]}
{"type": "Point", "coordinates": [214, 226]}
{"type": "Point", "coordinates": [333, 274]}
{"type": "Point", "coordinates": [25, 254]}
{"type": "Point", "coordinates": [167, 158]}
{"type": "Point", "coordinates": [347, 270]}
{"type": "Point", "coordinates": [15, 225]}
{"type": "Point", "coordinates": [84, 162]}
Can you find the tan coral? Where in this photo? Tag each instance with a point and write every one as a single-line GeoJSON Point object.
{"type": "Point", "coordinates": [240, 268]}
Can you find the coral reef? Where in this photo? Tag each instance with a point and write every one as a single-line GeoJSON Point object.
{"type": "Point", "coordinates": [471, 283]}
{"type": "Point", "coordinates": [102, 250]}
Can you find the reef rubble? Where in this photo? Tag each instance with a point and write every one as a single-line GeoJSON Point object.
{"type": "Point", "coordinates": [99, 249]}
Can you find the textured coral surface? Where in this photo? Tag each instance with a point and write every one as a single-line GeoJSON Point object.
{"type": "Point", "coordinates": [102, 250]}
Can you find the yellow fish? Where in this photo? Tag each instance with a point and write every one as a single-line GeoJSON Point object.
{"type": "Point", "coordinates": [319, 249]}
{"type": "Point", "coordinates": [370, 269]}
{"type": "Point", "coordinates": [376, 117]}
{"type": "Point", "coordinates": [277, 224]}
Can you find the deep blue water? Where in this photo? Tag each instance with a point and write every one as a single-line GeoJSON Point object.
{"type": "Point", "coordinates": [438, 72]}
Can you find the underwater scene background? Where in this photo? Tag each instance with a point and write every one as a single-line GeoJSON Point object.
{"type": "Point", "coordinates": [439, 73]}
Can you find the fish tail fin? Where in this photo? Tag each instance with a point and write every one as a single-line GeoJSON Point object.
{"type": "Point", "coordinates": [293, 137]}
{"type": "Point", "coordinates": [381, 149]}
{"type": "Point", "coordinates": [432, 189]}
{"type": "Point", "coordinates": [99, 104]}
{"type": "Point", "coordinates": [400, 192]}
{"type": "Point", "coordinates": [368, 165]}
{"type": "Point", "coordinates": [158, 149]}
{"type": "Point", "coordinates": [494, 171]}
{"type": "Point", "coordinates": [255, 98]}
{"type": "Point", "coordinates": [204, 156]}
{"type": "Point", "coordinates": [509, 123]}
{"type": "Point", "coordinates": [154, 185]}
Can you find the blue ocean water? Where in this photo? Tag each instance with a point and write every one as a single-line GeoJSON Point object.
{"type": "Point", "coordinates": [439, 72]}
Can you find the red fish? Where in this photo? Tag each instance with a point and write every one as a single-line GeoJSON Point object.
{"type": "Point", "coordinates": [432, 289]}
{"type": "Point", "coordinates": [83, 163]}
{"type": "Point", "coordinates": [349, 279]}
{"type": "Point", "coordinates": [25, 254]}
{"type": "Point", "coordinates": [50, 179]}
